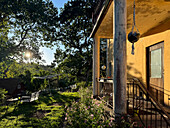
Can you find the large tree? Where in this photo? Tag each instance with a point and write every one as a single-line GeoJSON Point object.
{"type": "Point", "coordinates": [25, 25]}
{"type": "Point", "coordinates": [75, 27]}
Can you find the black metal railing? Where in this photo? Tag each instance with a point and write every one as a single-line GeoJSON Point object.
{"type": "Point", "coordinates": [160, 94]}
{"type": "Point", "coordinates": [142, 104]}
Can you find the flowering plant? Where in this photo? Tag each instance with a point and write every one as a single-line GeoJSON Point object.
{"type": "Point", "coordinates": [91, 113]}
{"type": "Point", "coordinates": [88, 112]}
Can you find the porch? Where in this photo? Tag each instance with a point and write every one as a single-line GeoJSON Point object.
{"type": "Point", "coordinates": [141, 105]}
{"type": "Point", "coordinates": [149, 103]}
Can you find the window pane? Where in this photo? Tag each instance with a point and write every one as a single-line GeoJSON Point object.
{"type": "Point", "coordinates": [156, 70]}
{"type": "Point", "coordinates": [103, 57]}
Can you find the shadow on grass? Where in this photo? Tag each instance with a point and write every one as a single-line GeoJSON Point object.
{"type": "Point", "coordinates": [47, 111]}
{"type": "Point", "coordinates": [25, 109]}
{"type": "Point", "coordinates": [57, 97]}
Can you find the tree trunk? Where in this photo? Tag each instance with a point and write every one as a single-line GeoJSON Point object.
{"type": "Point", "coordinates": [120, 76]}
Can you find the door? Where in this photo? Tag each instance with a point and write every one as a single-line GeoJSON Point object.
{"type": "Point", "coordinates": [156, 71]}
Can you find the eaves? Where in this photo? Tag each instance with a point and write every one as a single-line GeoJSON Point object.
{"type": "Point", "coordinates": [101, 17]}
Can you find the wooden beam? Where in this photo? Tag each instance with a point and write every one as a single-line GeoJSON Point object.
{"type": "Point", "coordinates": [96, 65]}
{"type": "Point", "coordinates": [120, 75]}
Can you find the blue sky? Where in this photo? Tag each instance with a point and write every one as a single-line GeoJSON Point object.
{"type": "Point", "coordinates": [48, 55]}
{"type": "Point", "coordinates": [59, 3]}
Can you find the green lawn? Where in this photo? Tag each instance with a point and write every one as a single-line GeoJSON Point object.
{"type": "Point", "coordinates": [46, 112]}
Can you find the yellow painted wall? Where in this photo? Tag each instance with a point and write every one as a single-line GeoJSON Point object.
{"type": "Point", "coordinates": [137, 63]}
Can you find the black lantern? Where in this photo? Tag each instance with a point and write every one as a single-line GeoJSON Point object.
{"type": "Point", "coordinates": [133, 37]}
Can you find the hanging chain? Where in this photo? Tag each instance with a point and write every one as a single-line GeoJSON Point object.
{"type": "Point", "coordinates": [134, 22]}
{"type": "Point", "coordinates": [134, 25]}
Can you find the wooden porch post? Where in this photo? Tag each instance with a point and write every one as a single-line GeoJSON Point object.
{"type": "Point", "coordinates": [96, 65]}
{"type": "Point", "coordinates": [120, 76]}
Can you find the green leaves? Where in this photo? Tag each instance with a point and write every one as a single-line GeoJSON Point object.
{"type": "Point", "coordinates": [24, 24]}
{"type": "Point", "coordinates": [88, 112]}
{"type": "Point", "coordinates": [2, 95]}
{"type": "Point", "coordinates": [75, 28]}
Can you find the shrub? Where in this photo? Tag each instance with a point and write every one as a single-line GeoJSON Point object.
{"type": "Point", "coordinates": [81, 84]}
{"type": "Point", "coordinates": [88, 112]}
{"type": "Point", "coordinates": [2, 95]}
{"type": "Point", "coordinates": [91, 113]}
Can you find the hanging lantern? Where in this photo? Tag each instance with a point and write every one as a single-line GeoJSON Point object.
{"type": "Point", "coordinates": [133, 36]}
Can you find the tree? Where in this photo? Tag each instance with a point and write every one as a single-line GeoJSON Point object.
{"type": "Point", "coordinates": [32, 83]}
{"type": "Point", "coordinates": [14, 69]}
{"type": "Point", "coordinates": [75, 28]}
{"type": "Point", "coordinates": [10, 69]}
{"type": "Point", "coordinates": [26, 25]}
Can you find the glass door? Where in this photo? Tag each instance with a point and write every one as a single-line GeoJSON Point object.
{"type": "Point", "coordinates": [156, 71]}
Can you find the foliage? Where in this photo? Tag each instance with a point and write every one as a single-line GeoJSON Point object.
{"type": "Point", "coordinates": [25, 71]}
{"type": "Point", "coordinates": [34, 84]}
{"type": "Point", "coordinates": [63, 83]}
{"type": "Point", "coordinates": [87, 113]}
{"type": "Point", "coordinates": [26, 25]}
{"type": "Point", "coordinates": [81, 84]}
{"type": "Point", "coordinates": [10, 69]}
{"type": "Point", "coordinates": [75, 28]}
{"type": "Point", "coordinates": [26, 79]}
{"type": "Point", "coordinates": [65, 79]}
{"type": "Point", "coordinates": [14, 69]}
{"type": "Point", "coordinates": [91, 113]}
{"type": "Point", "coordinates": [2, 95]}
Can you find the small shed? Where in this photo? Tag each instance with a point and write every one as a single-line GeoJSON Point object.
{"type": "Point", "coordinates": [13, 86]}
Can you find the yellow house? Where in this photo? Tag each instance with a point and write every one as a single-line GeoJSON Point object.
{"type": "Point", "coordinates": [150, 63]}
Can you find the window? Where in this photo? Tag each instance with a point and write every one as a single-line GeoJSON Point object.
{"type": "Point", "coordinates": [156, 63]}
{"type": "Point", "coordinates": [103, 57]}
{"type": "Point", "coordinates": [106, 58]}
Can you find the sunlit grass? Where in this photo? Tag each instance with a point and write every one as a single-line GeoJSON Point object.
{"type": "Point", "coordinates": [45, 112]}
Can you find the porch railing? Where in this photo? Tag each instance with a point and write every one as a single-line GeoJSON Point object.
{"type": "Point", "coordinates": [142, 104]}
{"type": "Point", "coordinates": [106, 90]}
{"type": "Point", "coordinates": [157, 91]}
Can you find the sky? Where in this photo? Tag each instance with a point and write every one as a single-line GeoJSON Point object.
{"type": "Point", "coordinates": [48, 54]}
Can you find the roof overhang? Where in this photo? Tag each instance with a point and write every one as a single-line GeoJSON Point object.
{"type": "Point", "coordinates": [152, 16]}
{"type": "Point", "coordinates": [108, 5]}
{"type": "Point", "coordinates": [46, 77]}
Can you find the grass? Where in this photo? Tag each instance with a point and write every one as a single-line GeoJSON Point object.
{"type": "Point", "coordinates": [43, 113]}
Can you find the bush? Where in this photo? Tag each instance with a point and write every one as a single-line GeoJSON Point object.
{"type": "Point", "coordinates": [88, 112]}
{"type": "Point", "coordinates": [2, 95]}
{"type": "Point", "coordinates": [81, 84]}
